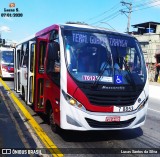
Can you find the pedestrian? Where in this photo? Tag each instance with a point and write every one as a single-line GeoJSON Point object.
{"type": "Point", "coordinates": [157, 73]}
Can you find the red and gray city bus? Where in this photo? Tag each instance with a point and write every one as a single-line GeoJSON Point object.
{"type": "Point", "coordinates": [83, 77]}
{"type": "Point", "coordinates": [6, 62]}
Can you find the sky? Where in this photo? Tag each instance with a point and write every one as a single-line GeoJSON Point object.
{"type": "Point", "coordinates": [38, 14]}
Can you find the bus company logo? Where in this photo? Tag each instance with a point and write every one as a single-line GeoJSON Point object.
{"type": "Point", "coordinates": [12, 5]}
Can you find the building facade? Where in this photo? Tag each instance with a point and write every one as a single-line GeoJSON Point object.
{"type": "Point", "coordinates": [148, 34]}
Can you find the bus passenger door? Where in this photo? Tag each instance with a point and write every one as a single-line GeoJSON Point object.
{"type": "Point", "coordinates": [31, 68]}
{"type": "Point", "coordinates": [41, 46]}
{"type": "Point", "coordinates": [17, 72]}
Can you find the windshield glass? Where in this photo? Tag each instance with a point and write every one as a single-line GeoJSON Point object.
{"type": "Point", "coordinates": [111, 59]}
{"type": "Point", "coordinates": [7, 57]}
{"type": "Point", "coordinates": [129, 66]}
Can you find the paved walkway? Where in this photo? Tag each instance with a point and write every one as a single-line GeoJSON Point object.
{"type": "Point", "coordinates": [154, 83]}
{"type": "Point", "coordinates": [154, 90]}
{"type": "Point", "coordinates": [13, 132]}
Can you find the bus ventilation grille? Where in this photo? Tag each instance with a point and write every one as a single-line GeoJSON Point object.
{"type": "Point", "coordinates": [112, 98]}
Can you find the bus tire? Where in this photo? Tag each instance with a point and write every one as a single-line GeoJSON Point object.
{"type": "Point", "coordinates": [53, 125]}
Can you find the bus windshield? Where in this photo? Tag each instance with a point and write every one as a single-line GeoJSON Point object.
{"type": "Point", "coordinates": [107, 58]}
{"type": "Point", "coordinates": [7, 57]}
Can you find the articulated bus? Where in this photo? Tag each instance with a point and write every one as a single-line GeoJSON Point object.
{"type": "Point", "coordinates": [83, 77]}
{"type": "Point", "coordinates": [6, 62]}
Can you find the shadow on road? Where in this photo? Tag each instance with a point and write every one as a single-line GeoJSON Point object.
{"type": "Point", "coordinates": [94, 136]}
{"type": "Point", "coordinates": [8, 79]}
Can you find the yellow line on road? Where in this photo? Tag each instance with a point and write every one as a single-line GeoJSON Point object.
{"type": "Point", "coordinates": [42, 135]}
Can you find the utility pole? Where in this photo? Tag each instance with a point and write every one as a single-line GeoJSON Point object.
{"type": "Point", "coordinates": [127, 13]}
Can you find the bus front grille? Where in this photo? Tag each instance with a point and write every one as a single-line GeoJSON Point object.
{"type": "Point", "coordinates": [112, 98]}
{"type": "Point", "coordinates": [117, 99]}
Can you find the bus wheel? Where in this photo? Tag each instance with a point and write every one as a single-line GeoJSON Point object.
{"type": "Point", "coordinates": [53, 125]}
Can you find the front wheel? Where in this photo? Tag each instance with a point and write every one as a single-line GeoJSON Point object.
{"type": "Point", "coordinates": [53, 125]}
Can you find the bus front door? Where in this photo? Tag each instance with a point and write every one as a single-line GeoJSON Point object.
{"type": "Point", "coordinates": [17, 71]}
{"type": "Point", "coordinates": [31, 70]}
{"type": "Point", "coordinates": [41, 46]}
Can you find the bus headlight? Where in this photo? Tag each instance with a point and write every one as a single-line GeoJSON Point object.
{"type": "Point", "coordinates": [4, 70]}
{"type": "Point", "coordinates": [4, 67]}
{"type": "Point", "coordinates": [142, 104]}
{"type": "Point", "coordinates": [73, 101]}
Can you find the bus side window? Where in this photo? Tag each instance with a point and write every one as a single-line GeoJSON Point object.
{"type": "Point", "coordinates": [25, 61]}
{"type": "Point", "coordinates": [53, 58]}
{"type": "Point", "coordinates": [32, 57]}
{"type": "Point", "coordinates": [24, 55]}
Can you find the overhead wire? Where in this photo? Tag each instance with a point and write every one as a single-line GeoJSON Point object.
{"type": "Point", "coordinates": [145, 3]}
{"type": "Point", "coordinates": [146, 7]}
{"type": "Point", "coordinates": [137, 7]}
{"type": "Point", "coordinates": [142, 5]}
{"type": "Point", "coordinates": [112, 8]}
{"type": "Point", "coordinates": [110, 16]}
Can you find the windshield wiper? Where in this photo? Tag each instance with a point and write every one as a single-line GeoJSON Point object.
{"type": "Point", "coordinates": [100, 74]}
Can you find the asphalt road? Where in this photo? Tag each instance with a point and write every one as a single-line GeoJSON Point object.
{"type": "Point", "coordinates": [74, 143]}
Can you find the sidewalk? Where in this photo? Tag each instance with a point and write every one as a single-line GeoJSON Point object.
{"type": "Point", "coordinates": [154, 83]}
{"type": "Point", "coordinates": [154, 90]}
{"type": "Point", "coordinates": [13, 132]}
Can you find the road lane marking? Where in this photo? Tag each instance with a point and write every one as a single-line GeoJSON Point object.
{"type": "Point", "coordinates": [153, 110]}
{"type": "Point", "coordinates": [39, 131]}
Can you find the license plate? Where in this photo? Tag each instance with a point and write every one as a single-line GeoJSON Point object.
{"type": "Point", "coordinates": [123, 109]}
{"type": "Point", "coordinates": [112, 119]}
{"type": "Point", "coordinates": [127, 108]}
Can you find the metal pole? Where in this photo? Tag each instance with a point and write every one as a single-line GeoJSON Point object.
{"type": "Point", "coordinates": [129, 17]}
{"type": "Point", "coordinates": [129, 13]}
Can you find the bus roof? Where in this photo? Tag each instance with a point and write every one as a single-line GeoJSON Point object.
{"type": "Point", "coordinates": [85, 26]}
{"type": "Point", "coordinates": [26, 39]}
{"type": "Point", "coordinates": [56, 27]}
{"type": "Point", "coordinates": [47, 29]}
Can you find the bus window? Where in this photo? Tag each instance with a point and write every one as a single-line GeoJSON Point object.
{"type": "Point", "coordinates": [53, 57]}
{"type": "Point", "coordinates": [25, 61]}
{"type": "Point", "coordinates": [42, 56]}
{"type": "Point", "coordinates": [24, 56]}
{"type": "Point", "coordinates": [7, 57]}
{"type": "Point", "coordinates": [32, 57]}
{"type": "Point", "coordinates": [133, 60]}
{"type": "Point", "coordinates": [53, 62]}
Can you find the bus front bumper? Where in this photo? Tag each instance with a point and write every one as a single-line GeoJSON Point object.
{"type": "Point", "coordinates": [75, 119]}
{"type": "Point", "coordinates": [7, 75]}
